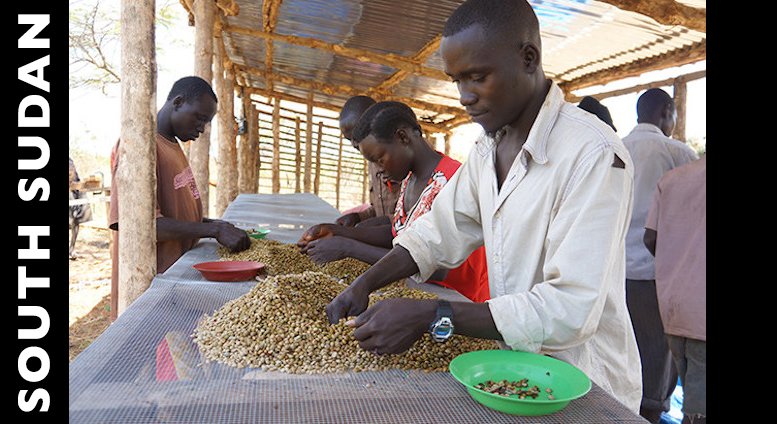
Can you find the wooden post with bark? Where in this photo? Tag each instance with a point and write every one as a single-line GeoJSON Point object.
{"type": "Point", "coordinates": [365, 181]}
{"type": "Point", "coordinates": [136, 177]}
{"type": "Point", "coordinates": [204, 16]}
{"type": "Point", "coordinates": [308, 144]}
{"type": "Point", "coordinates": [317, 178]}
{"type": "Point", "coordinates": [276, 145]}
{"type": "Point", "coordinates": [248, 149]}
{"type": "Point", "coordinates": [680, 90]}
{"type": "Point", "coordinates": [244, 153]}
{"type": "Point", "coordinates": [226, 183]}
{"type": "Point", "coordinates": [297, 155]}
{"type": "Point", "coordinates": [253, 139]}
{"type": "Point", "coordinates": [339, 170]}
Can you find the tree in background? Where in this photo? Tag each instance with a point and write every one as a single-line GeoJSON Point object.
{"type": "Point", "coordinates": [94, 33]}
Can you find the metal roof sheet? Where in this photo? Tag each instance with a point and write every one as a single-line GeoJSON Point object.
{"type": "Point", "coordinates": [579, 39]}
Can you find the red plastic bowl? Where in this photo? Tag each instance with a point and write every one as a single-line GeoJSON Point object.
{"type": "Point", "coordinates": [229, 271]}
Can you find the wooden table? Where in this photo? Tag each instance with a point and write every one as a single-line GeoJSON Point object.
{"type": "Point", "coordinates": [119, 378]}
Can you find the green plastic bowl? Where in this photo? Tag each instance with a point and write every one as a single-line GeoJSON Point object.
{"type": "Point", "coordinates": [566, 381]}
{"type": "Point", "coordinates": [257, 233]}
{"type": "Point", "coordinates": [251, 229]}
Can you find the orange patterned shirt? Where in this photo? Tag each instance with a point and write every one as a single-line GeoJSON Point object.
{"type": "Point", "coordinates": [471, 277]}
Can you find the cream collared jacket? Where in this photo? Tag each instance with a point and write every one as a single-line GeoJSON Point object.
{"type": "Point", "coordinates": [554, 237]}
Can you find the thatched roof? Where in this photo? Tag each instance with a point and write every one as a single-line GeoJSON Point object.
{"type": "Point", "coordinates": [321, 52]}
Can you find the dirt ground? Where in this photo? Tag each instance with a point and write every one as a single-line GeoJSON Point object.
{"type": "Point", "coordinates": [90, 287]}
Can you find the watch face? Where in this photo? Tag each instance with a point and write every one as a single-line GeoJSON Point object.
{"type": "Point", "coordinates": [443, 329]}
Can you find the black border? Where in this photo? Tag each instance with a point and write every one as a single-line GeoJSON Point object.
{"type": "Point", "coordinates": [40, 211]}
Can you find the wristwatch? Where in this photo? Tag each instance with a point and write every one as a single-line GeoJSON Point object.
{"type": "Point", "coordinates": [442, 326]}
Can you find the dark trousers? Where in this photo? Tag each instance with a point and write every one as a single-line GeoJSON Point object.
{"type": "Point", "coordinates": [659, 374]}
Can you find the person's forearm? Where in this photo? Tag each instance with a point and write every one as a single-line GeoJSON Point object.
{"type": "Point", "coordinates": [168, 229]}
{"type": "Point", "coordinates": [375, 221]}
{"type": "Point", "coordinates": [354, 300]}
{"type": "Point", "coordinates": [366, 252]}
{"type": "Point", "coordinates": [395, 265]}
{"type": "Point", "coordinates": [374, 235]}
{"type": "Point", "coordinates": [469, 319]}
{"type": "Point", "coordinates": [474, 320]}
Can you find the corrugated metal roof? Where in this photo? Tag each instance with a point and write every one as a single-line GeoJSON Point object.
{"type": "Point", "coordinates": [580, 38]}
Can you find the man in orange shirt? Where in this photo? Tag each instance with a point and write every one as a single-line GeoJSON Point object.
{"type": "Point", "coordinates": [180, 224]}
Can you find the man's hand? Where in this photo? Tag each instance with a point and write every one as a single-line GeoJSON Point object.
{"type": "Point", "coordinates": [354, 300]}
{"type": "Point", "coordinates": [328, 249]}
{"type": "Point", "coordinates": [231, 237]}
{"type": "Point", "coordinates": [314, 233]}
{"type": "Point", "coordinates": [348, 220]}
{"type": "Point", "coordinates": [350, 303]}
{"type": "Point", "coordinates": [393, 325]}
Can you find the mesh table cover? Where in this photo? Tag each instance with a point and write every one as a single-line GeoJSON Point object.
{"type": "Point", "coordinates": [124, 377]}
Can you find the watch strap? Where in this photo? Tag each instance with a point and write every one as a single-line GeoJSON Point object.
{"type": "Point", "coordinates": [444, 309]}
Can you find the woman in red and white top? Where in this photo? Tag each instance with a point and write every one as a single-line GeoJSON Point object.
{"type": "Point", "coordinates": [388, 134]}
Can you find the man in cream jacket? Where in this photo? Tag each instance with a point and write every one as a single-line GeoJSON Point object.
{"type": "Point", "coordinates": [548, 191]}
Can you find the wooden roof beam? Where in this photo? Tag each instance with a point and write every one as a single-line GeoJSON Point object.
{"type": "Point", "coordinates": [392, 60]}
{"type": "Point", "coordinates": [637, 88]}
{"type": "Point", "coordinates": [331, 89]}
{"type": "Point", "coordinates": [270, 9]}
{"type": "Point", "coordinates": [452, 123]}
{"type": "Point", "coordinates": [690, 54]}
{"type": "Point", "coordinates": [229, 7]}
{"type": "Point", "coordinates": [419, 58]}
{"type": "Point", "coordinates": [666, 12]}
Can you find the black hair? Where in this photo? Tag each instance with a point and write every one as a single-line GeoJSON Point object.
{"type": "Point", "coordinates": [356, 105]}
{"type": "Point", "coordinates": [191, 88]}
{"type": "Point", "coordinates": [383, 119]}
{"type": "Point", "coordinates": [511, 20]}
{"type": "Point", "coordinates": [650, 102]}
{"type": "Point", "coordinates": [592, 105]}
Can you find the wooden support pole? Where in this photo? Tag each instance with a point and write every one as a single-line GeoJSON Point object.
{"type": "Point", "coordinates": [339, 170]}
{"type": "Point", "coordinates": [136, 177]}
{"type": "Point", "coordinates": [199, 157]}
{"type": "Point", "coordinates": [365, 182]}
{"type": "Point", "coordinates": [253, 137]}
{"type": "Point", "coordinates": [231, 125]}
{"type": "Point", "coordinates": [244, 153]}
{"type": "Point", "coordinates": [317, 178]}
{"type": "Point", "coordinates": [276, 146]}
{"type": "Point", "coordinates": [226, 182]}
{"type": "Point", "coordinates": [297, 155]}
{"type": "Point", "coordinates": [309, 143]}
{"type": "Point", "coordinates": [680, 95]}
